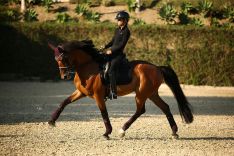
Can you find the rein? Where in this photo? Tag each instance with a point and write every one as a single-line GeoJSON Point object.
{"type": "Point", "coordinates": [67, 67]}
{"type": "Point", "coordinates": [85, 64]}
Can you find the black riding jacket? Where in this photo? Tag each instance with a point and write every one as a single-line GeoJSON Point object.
{"type": "Point", "coordinates": [119, 41]}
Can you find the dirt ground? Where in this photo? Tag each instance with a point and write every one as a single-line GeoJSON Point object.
{"type": "Point", "coordinates": [149, 15]}
{"type": "Point", "coordinates": [108, 13]}
{"type": "Point", "coordinates": [25, 108]}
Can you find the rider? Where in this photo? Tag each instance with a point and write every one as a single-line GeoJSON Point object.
{"type": "Point", "coordinates": [116, 46]}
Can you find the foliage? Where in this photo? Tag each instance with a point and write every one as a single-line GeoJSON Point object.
{"type": "Point", "coordinates": [34, 2]}
{"type": "Point", "coordinates": [47, 4]}
{"type": "Point", "coordinates": [168, 13]}
{"type": "Point", "coordinates": [186, 7]}
{"type": "Point", "coordinates": [214, 22]}
{"type": "Point", "coordinates": [94, 3]}
{"type": "Point", "coordinates": [9, 15]}
{"type": "Point", "coordinates": [138, 21]}
{"type": "Point", "coordinates": [227, 25]}
{"type": "Point", "coordinates": [132, 5]}
{"type": "Point", "coordinates": [90, 3]}
{"type": "Point", "coordinates": [30, 15]}
{"type": "Point", "coordinates": [13, 14]}
{"type": "Point", "coordinates": [13, 1]}
{"type": "Point", "coordinates": [229, 12]}
{"type": "Point", "coordinates": [108, 3]}
{"type": "Point", "coordinates": [205, 7]}
{"type": "Point", "coordinates": [62, 18]}
{"type": "Point", "coordinates": [93, 16]}
{"type": "Point", "coordinates": [81, 9]}
{"type": "Point", "coordinates": [196, 22]}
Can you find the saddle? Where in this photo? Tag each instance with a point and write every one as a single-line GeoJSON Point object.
{"type": "Point", "coordinates": [123, 73]}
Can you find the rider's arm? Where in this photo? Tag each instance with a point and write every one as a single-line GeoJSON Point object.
{"type": "Point", "coordinates": [111, 42]}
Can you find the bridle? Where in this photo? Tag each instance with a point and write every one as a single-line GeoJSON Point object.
{"type": "Point", "coordinates": [68, 68]}
{"type": "Point", "coordinates": [60, 58]}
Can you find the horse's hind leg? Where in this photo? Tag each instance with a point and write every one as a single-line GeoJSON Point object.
{"type": "Point", "coordinates": [166, 110]}
{"type": "Point", "coordinates": [140, 102]}
{"type": "Point", "coordinates": [75, 96]}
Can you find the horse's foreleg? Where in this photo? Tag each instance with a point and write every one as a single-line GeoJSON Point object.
{"type": "Point", "coordinates": [102, 106]}
{"type": "Point", "coordinates": [166, 110]}
{"type": "Point", "coordinates": [75, 96]}
{"type": "Point", "coordinates": [140, 103]}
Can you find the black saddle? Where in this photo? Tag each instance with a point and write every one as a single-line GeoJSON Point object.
{"type": "Point", "coordinates": [123, 73]}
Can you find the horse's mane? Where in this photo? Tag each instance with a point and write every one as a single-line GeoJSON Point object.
{"type": "Point", "coordinates": [87, 46]}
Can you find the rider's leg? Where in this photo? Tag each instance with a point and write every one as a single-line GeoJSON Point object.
{"type": "Point", "coordinates": [112, 75]}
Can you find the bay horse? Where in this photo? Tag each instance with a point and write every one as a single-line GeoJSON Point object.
{"type": "Point", "coordinates": [146, 80]}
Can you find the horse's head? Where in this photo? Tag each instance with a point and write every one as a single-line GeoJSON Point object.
{"type": "Point", "coordinates": [79, 54]}
{"type": "Point", "coordinates": [63, 61]}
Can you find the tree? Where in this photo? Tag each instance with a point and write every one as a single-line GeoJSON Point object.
{"type": "Point", "coordinates": [138, 6]}
{"type": "Point", "coordinates": [23, 6]}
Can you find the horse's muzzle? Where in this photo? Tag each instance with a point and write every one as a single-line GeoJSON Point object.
{"type": "Point", "coordinates": [66, 77]}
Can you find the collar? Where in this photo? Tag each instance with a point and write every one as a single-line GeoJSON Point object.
{"type": "Point", "coordinates": [123, 27]}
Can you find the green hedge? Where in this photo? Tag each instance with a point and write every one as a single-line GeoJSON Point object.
{"type": "Point", "coordinates": [200, 56]}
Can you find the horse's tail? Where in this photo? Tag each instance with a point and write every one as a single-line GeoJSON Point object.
{"type": "Point", "coordinates": [172, 81]}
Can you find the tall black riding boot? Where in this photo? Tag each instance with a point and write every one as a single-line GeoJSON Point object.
{"type": "Point", "coordinates": [113, 88]}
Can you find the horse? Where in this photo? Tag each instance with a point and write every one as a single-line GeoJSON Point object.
{"type": "Point", "coordinates": [146, 80]}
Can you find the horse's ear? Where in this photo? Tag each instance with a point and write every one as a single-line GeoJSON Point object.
{"type": "Point", "coordinates": [55, 49]}
{"type": "Point", "coordinates": [51, 46]}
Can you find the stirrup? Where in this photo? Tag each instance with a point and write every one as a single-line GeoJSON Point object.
{"type": "Point", "coordinates": [107, 66]}
{"type": "Point", "coordinates": [112, 95]}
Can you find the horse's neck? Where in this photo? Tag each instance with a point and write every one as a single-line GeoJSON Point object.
{"type": "Point", "coordinates": [87, 70]}
{"type": "Point", "coordinates": [85, 66]}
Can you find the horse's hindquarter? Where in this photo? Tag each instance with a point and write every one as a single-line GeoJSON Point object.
{"type": "Point", "coordinates": [146, 77]}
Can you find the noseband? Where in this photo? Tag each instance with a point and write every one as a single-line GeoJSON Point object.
{"type": "Point", "coordinates": [59, 58]}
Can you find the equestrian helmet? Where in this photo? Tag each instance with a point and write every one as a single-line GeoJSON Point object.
{"type": "Point", "coordinates": [122, 15]}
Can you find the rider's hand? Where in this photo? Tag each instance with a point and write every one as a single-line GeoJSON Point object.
{"type": "Point", "coordinates": [109, 52]}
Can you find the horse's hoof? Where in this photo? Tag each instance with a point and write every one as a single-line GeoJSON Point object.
{"type": "Point", "coordinates": [51, 123]}
{"type": "Point", "coordinates": [106, 137]}
{"type": "Point", "coordinates": [175, 136]}
{"type": "Point", "coordinates": [121, 133]}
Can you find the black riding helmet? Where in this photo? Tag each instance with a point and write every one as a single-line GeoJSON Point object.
{"type": "Point", "coordinates": [122, 15]}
